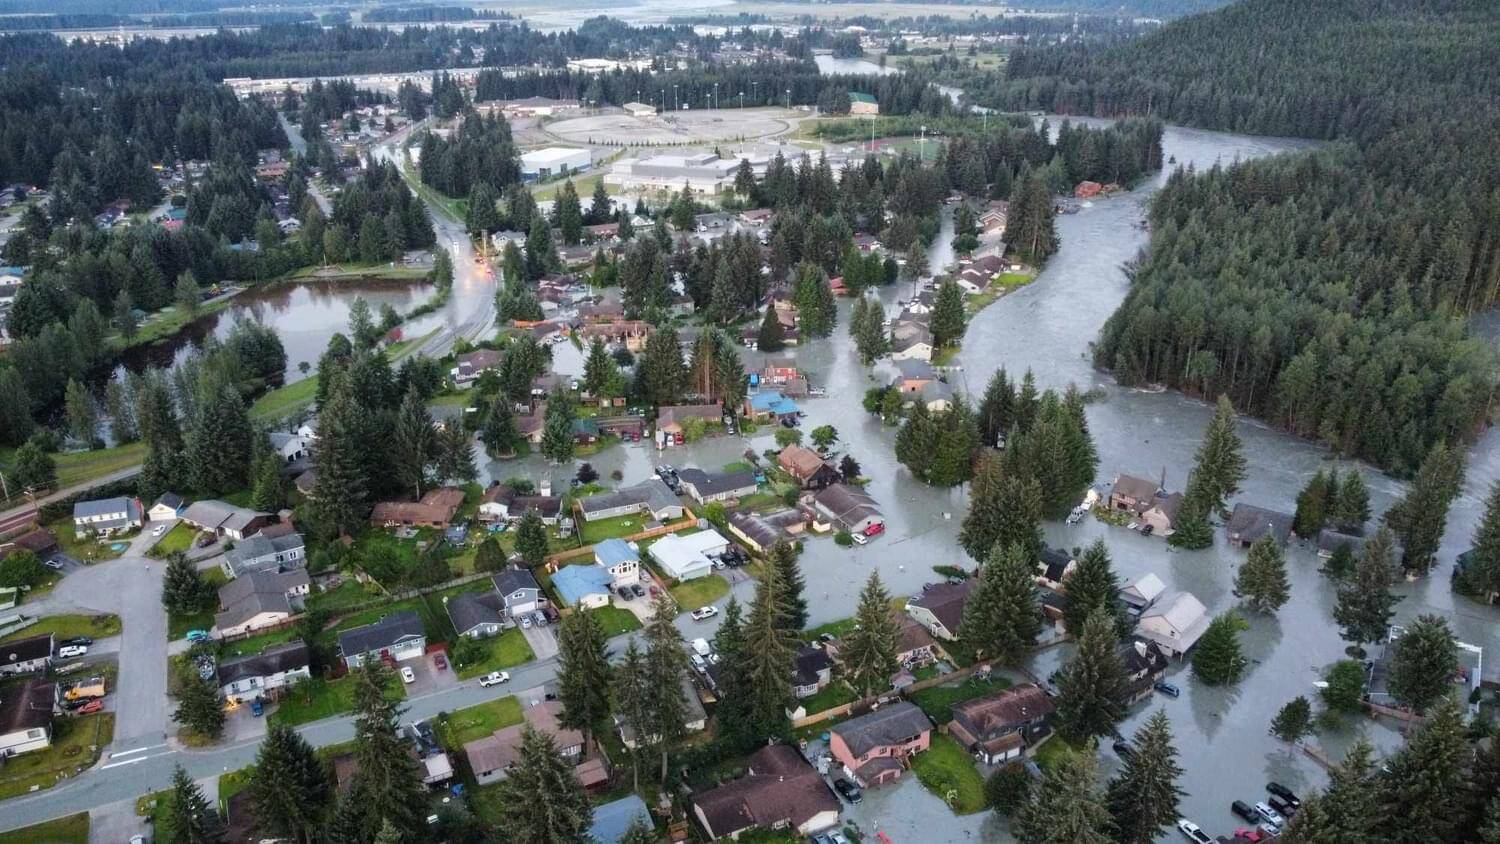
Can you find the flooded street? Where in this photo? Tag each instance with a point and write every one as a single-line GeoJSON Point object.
{"type": "Point", "coordinates": [1048, 327]}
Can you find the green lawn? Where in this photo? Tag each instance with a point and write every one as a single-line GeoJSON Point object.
{"type": "Point", "coordinates": [834, 694]}
{"type": "Point", "coordinates": [285, 400]}
{"type": "Point", "coordinates": [76, 467]}
{"type": "Point", "coordinates": [73, 829]}
{"type": "Point", "coordinates": [76, 743]}
{"type": "Point", "coordinates": [598, 530]}
{"type": "Point", "coordinates": [347, 594]}
{"type": "Point", "coordinates": [256, 644]}
{"type": "Point", "coordinates": [315, 699]}
{"type": "Point", "coordinates": [69, 626]}
{"type": "Point", "coordinates": [466, 725]}
{"type": "Point", "coordinates": [179, 625]}
{"type": "Point", "coordinates": [87, 550]}
{"type": "Point", "coordinates": [616, 620]}
{"type": "Point", "coordinates": [947, 771]}
{"type": "Point", "coordinates": [505, 651]}
{"type": "Point", "coordinates": [691, 594]}
{"type": "Point", "coordinates": [179, 538]}
{"type": "Point", "coordinates": [938, 701]}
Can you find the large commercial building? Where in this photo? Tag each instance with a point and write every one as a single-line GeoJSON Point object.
{"type": "Point", "coordinates": [703, 172]}
{"type": "Point", "coordinates": [553, 161]}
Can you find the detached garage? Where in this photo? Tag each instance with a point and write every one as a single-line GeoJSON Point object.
{"type": "Point", "coordinates": [687, 557]}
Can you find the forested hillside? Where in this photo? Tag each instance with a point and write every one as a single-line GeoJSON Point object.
{"type": "Point", "coordinates": [1326, 291]}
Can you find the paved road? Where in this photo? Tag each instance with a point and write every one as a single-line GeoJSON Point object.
{"type": "Point", "coordinates": [17, 517]}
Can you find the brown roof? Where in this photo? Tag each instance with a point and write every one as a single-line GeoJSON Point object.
{"type": "Point", "coordinates": [780, 787]}
{"type": "Point", "coordinates": [680, 412]}
{"type": "Point", "coordinates": [803, 463]}
{"type": "Point", "coordinates": [1140, 489]}
{"type": "Point", "coordinates": [27, 706]}
{"type": "Point", "coordinates": [503, 748]}
{"type": "Point", "coordinates": [438, 505]}
{"type": "Point", "coordinates": [1016, 706]}
{"type": "Point", "coordinates": [945, 601]}
{"type": "Point", "coordinates": [910, 636]}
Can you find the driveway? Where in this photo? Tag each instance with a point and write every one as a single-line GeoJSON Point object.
{"type": "Point", "coordinates": [542, 640]}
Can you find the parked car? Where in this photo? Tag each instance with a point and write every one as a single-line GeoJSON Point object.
{"type": "Point", "coordinates": [860, 539]}
{"type": "Point", "coordinates": [538, 619]}
{"type": "Point", "coordinates": [159, 530]}
{"type": "Point", "coordinates": [70, 651]}
{"type": "Point", "coordinates": [1281, 807]}
{"type": "Point", "coordinates": [1123, 749]}
{"type": "Point", "coordinates": [1284, 793]}
{"type": "Point", "coordinates": [847, 790]}
{"type": "Point", "coordinates": [525, 622]}
{"type": "Point", "coordinates": [408, 675]}
{"type": "Point", "coordinates": [79, 640]}
{"type": "Point", "coordinates": [637, 591]}
{"type": "Point", "coordinates": [1193, 832]}
{"type": "Point", "coordinates": [623, 592]}
{"type": "Point", "coordinates": [54, 564]}
{"type": "Point", "coordinates": [198, 636]}
{"type": "Point", "coordinates": [838, 837]}
{"type": "Point", "coordinates": [1268, 814]}
{"type": "Point", "coordinates": [1167, 688]}
{"type": "Point", "coordinates": [1254, 836]}
{"type": "Point", "coordinates": [257, 708]}
{"type": "Point", "coordinates": [205, 540]}
{"type": "Point", "coordinates": [1245, 811]}
{"type": "Point", "coordinates": [91, 707]}
{"type": "Point", "coordinates": [703, 613]}
{"type": "Point", "coordinates": [494, 678]}
{"type": "Point", "coordinates": [440, 661]}
{"type": "Point", "coordinates": [876, 529]}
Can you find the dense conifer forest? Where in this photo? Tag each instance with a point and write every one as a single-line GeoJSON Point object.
{"type": "Point", "coordinates": [1326, 291]}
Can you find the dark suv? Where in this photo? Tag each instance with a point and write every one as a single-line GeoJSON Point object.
{"type": "Point", "coordinates": [847, 790]}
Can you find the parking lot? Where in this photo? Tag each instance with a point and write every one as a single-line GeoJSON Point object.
{"type": "Point", "coordinates": [428, 677]}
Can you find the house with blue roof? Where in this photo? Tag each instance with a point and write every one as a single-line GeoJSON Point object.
{"type": "Point", "coordinates": [613, 820]}
{"type": "Point", "coordinates": [582, 586]}
{"type": "Point", "coordinates": [769, 405]}
{"type": "Point", "coordinates": [621, 561]}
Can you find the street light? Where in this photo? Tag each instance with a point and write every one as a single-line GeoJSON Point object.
{"type": "Point", "coordinates": [742, 99]}
{"type": "Point", "coordinates": [922, 145]}
{"type": "Point", "coordinates": [789, 99]}
{"type": "Point", "coordinates": [716, 95]}
{"type": "Point", "coordinates": [674, 97]}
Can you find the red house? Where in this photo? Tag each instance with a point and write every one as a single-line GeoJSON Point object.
{"type": "Point", "coordinates": [874, 748]}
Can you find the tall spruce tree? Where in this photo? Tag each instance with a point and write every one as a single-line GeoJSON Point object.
{"type": "Point", "coordinates": [1143, 798]}
{"type": "Point", "coordinates": [1219, 457]}
{"type": "Point", "coordinates": [1262, 581]}
{"type": "Point", "coordinates": [792, 603]}
{"type": "Point", "coordinates": [341, 489]}
{"type": "Point", "coordinates": [1293, 720]}
{"type": "Point", "coordinates": [541, 799]}
{"type": "Point", "coordinates": [184, 591]}
{"type": "Point", "coordinates": [1482, 576]}
{"type": "Point", "coordinates": [199, 708]}
{"type": "Point", "coordinates": [531, 538]}
{"type": "Point", "coordinates": [1312, 506]}
{"type": "Point", "coordinates": [1351, 508]}
{"type": "Point", "coordinates": [772, 337]}
{"type": "Point", "coordinates": [193, 818]}
{"type": "Point", "coordinates": [1002, 617]}
{"type": "Point", "coordinates": [1349, 811]}
{"type": "Point", "coordinates": [1066, 807]}
{"type": "Point", "coordinates": [1091, 687]}
{"type": "Point", "coordinates": [1421, 516]}
{"type": "Point", "coordinates": [1422, 791]}
{"type": "Point", "coordinates": [413, 442]}
{"type": "Point", "coordinates": [1424, 661]}
{"type": "Point", "coordinates": [389, 779]}
{"type": "Point", "coordinates": [290, 786]}
{"type": "Point", "coordinates": [1365, 603]}
{"type": "Point", "coordinates": [1093, 586]}
{"type": "Point", "coordinates": [948, 315]}
{"type": "Point", "coordinates": [583, 677]}
{"type": "Point", "coordinates": [666, 668]}
{"type": "Point", "coordinates": [869, 650]}
{"type": "Point", "coordinates": [997, 409]}
{"type": "Point", "coordinates": [733, 712]}
{"type": "Point", "coordinates": [1217, 659]}
{"type": "Point", "coordinates": [770, 652]}
{"type": "Point", "coordinates": [499, 432]}
{"type": "Point", "coordinates": [1004, 510]}
{"type": "Point", "coordinates": [217, 455]}
{"type": "Point", "coordinates": [631, 694]}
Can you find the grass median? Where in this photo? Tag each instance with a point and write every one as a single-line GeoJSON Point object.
{"type": "Point", "coordinates": [73, 829]}
{"type": "Point", "coordinates": [947, 771]}
{"type": "Point", "coordinates": [64, 627]}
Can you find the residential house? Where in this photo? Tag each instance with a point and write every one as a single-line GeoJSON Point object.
{"type": "Point", "coordinates": [38, 541]}
{"type": "Point", "coordinates": [582, 586]}
{"type": "Point", "coordinates": [911, 340]}
{"type": "Point", "coordinates": [306, 483]}
{"type": "Point", "coordinates": [867, 243]}
{"type": "Point", "coordinates": [1329, 541]}
{"type": "Point", "coordinates": [1145, 666]}
{"type": "Point", "coordinates": [26, 711]}
{"type": "Point", "coordinates": [223, 519]}
{"type": "Point", "coordinates": [992, 221]}
{"type": "Point", "coordinates": [1175, 624]}
{"type": "Point", "coordinates": [168, 507]}
{"type": "Point", "coordinates": [757, 216]}
{"type": "Point", "coordinates": [602, 233]}
{"type": "Point", "coordinates": [630, 333]}
{"type": "Point", "coordinates": [436, 510]}
{"type": "Point", "coordinates": [106, 516]}
{"type": "Point", "coordinates": [500, 503]}
{"type": "Point", "coordinates": [940, 607]}
{"type": "Point", "coordinates": [651, 498]}
{"type": "Point", "coordinates": [1148, 501]}
{"type": "Point", "coordinates": [769, 406]}
{"type": "Point", "coordinates": [915, 646]}
{"type": "Point", "coordinates": [717, 486]}
{"type": "Point", "coordinates": [25, 656]}
{"type": "Point", "coordinates": [849, 508]}
{"type": "Point", "coordinates": [863, 105]}
{"type": "Point", "coordinates": [266, 673]}
{"type": "Point", "coordinates": [808, 467]}
{"type": "Point", "coordinates": [688, 557]}
{"type": "Point", "coordinates": [1000, 727]}
{"type": "Point", "coordinates": [491, 757]}
{"type": "Point", "coordinates": [260, 599]}
{"type": "Point", "coordinates": [477, 614]}
{"type": "Point", "coordinates": [617, 557]}
{"type": "Point", "coordinates": [912, 376]}
{"type": "Point", "coordinates": [779, 790]}
{"type": "Point", "coordinates": [938, 396]}
{"type": "Point", "coordinates": [261, 553]}
{"type": "Point", "coordinates": [292, 448]}
{"type": "Point", "coordinates": [761, 531]}
{"type": "Point", "coordinates": [1053, 567]}
{"type": "Point", "coordinates": [874, 748]}
{"type": "Point", "coordinates": [813, 670]}
{"type": "Point", "coordinates": [614, 819]}
{"type": "Point", "coordinates": [694, 716]}
{"type": "Point", "coordinates": [1248, 523]}
{"type": "Point", "coordinates": [1141, 593]}
{"type": "Point", "coordinates": [519, 590]}
{"type": "Point", "coordinates": [671, 418]}
{"type": "Point", "coordinates": [601, 312]}
{"type": "Point", "coordinates": [399, 636]}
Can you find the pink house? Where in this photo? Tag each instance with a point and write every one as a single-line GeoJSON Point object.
{"type": "Point", "coordinates": [874, 748]}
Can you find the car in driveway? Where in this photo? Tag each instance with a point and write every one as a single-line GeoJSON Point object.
{"type": "Point", "coordinates": [408, 675]}
{"type": "Point", "coordinates": [847, 790]}
{"type": "Point", "coordinates": [198, 636]}
{"type": "Point", "coordinates": [1167, 688]}
{"type": "Point", "coordinates": [1286, 794]}
{"type": "Point", "coordinates": [525, 622]}
{"type": "Point", "coordinates": [1245, 811]}
{"type": "Point", "coordinates": [55, 564]}
{"type": "Point", "coordinates": [158, 530]}
{"type": "Point", "coordinates": [440, 661]}
{"type": "Point", "coordinates": [70, 651]}
{"type": "Point", "coordinates": [1269, 815]}
{"type": "Point", "coordinates": [705, 613]}
{"type": "Point", "coordinates": [636, 590]}
{"type": "Point", "coordinates": [1193, 832]}
{"type": "Point", "coordinates": [82, 641]}
{"type": "Point", "coordinates": [494, 678]}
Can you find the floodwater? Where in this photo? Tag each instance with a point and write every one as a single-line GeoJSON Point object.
{"type": "Point", "coordinates": [1048, 327]}
{"type": "Point", "coordinates": [304, 314]}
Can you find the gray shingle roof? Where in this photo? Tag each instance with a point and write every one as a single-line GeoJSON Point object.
{"type": "Point", "coordinates": [715, 483]}
{"type": "Point", "coordinates": [103, 507]}
{"type": "Point", "coordinates": [380, 634]}
{"type": "Point", "coordinates": [471, 609]}
{"type": "Point", "coordinates": [274, 660]}
{"type": "Point", "coordinates": [885, 726]}
{"type": "Point", "coordinates": [511, 579]}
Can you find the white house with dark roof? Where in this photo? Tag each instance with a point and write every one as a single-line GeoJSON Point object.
{"type": "Point", "coordinates": [265, 553]}
{"type": "Point", "coordinates": [519, 590]}
{"type": "Point", "coordinates": [25, 656]}
{"type": "Point", "coordinates": [1175, 624]}
{"type": "Point", "coordinates": [168, 507]}
{"type": "Point", "coordinates": [477, 615]}
{"type": "Point", "coordinates": [399, 635]}
{"type": "Point", "coordinates": [260, 599]}
{"type": "Point", "coordinates": [225, 519]}
{"type": "Point", "coordinates": [651, 498]}
{"type": "Point", "coordinates": [26, 711]}
{"type": "Point", "coordinates": [271, 670]}
{"type": "Point", "coordinates": [717, 486]}
{"type": "Point", "coordinates": [106, 516]}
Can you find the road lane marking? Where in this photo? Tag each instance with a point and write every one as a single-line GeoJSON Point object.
{"type": "Point", "coordinates": [117, 754]}
{"type": "Point", "coordinates": [135, 760]}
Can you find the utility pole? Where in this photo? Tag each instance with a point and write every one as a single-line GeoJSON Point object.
{"type": "Point", "coordinates": [789, 99]}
